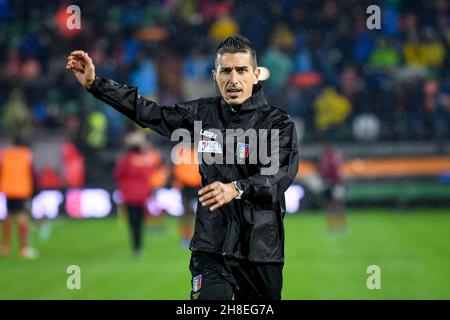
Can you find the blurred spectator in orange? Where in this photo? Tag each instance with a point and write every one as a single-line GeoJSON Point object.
{"type": "Point", "coordinates": [17, 182]}
{"type": "Point", "coordinates": [187, 179]}
{"type": "Point", "coordinates": [158, 179]}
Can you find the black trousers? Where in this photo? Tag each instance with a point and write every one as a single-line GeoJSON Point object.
{"type": "Point", "coordinates": [216, 277]}
{"type": "Point", "coordinates": [135, 218]}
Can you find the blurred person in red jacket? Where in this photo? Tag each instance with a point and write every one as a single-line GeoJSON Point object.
{"type": "Point", "coordinates": [334, 192]}
{"type": "Point", "coordinates": [17, 183]}
{"type": "Point", "coordinates": [132, 174]}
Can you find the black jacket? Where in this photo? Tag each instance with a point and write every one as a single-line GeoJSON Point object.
{"type": "Point", "coordinates": [250, 228]}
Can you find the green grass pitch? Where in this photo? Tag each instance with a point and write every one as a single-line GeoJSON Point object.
{"type": "Point", "coordinates": [412, 248]}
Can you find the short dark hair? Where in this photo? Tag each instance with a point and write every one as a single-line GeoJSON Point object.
{"type": "Point", "coordinates": [235, 44]}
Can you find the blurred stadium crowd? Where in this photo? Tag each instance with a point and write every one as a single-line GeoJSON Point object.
{"type": "Point", "coordinates": [340, 81]}
{"type": "Point", "coordinates": [328, 70]}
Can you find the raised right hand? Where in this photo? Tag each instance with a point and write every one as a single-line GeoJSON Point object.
{"type": "Point", "coordinates": [82, 66]}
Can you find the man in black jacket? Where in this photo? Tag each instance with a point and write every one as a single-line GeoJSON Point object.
{"type": "Point", "coordinates": [238, 243]}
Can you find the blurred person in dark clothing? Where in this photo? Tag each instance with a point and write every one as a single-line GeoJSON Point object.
{"type": "Point", "coordinates": [334, 192]}
{"type": "Point", "coordinates": [132, 174]}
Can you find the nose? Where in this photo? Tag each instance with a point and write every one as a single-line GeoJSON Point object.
{"type": "Point", "coordinates": [234, 77]}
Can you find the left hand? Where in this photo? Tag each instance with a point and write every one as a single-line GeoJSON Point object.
{"type": "Point", "coordinates": [217, 194]}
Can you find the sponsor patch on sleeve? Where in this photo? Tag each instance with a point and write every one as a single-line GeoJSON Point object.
{"type": "Point", "coordinates": [209, 146]}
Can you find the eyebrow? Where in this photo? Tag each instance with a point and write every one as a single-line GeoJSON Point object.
{"type": "Point", "coordinates": [238, 68]}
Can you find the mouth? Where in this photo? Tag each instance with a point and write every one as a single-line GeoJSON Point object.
{"type": "Point", "coordinates": [233, 92]}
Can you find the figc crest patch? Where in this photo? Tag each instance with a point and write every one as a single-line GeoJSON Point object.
{"type": "Point", "coordinates": [197, 283]}
{"type": "Point", "coordinates": [242, 150]}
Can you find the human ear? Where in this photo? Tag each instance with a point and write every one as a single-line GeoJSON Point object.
{"type": "Point", "coordinates": [256, 74]}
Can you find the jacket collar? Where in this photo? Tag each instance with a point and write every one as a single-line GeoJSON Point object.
{"type": "Point", "coordinates": [256, 100]}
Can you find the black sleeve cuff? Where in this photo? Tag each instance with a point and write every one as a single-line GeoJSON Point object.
{"type": "Point", "coordinates": [95, 84]}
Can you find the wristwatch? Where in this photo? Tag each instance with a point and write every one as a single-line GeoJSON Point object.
{"type": "Point", "coordinates": [240, 191]}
